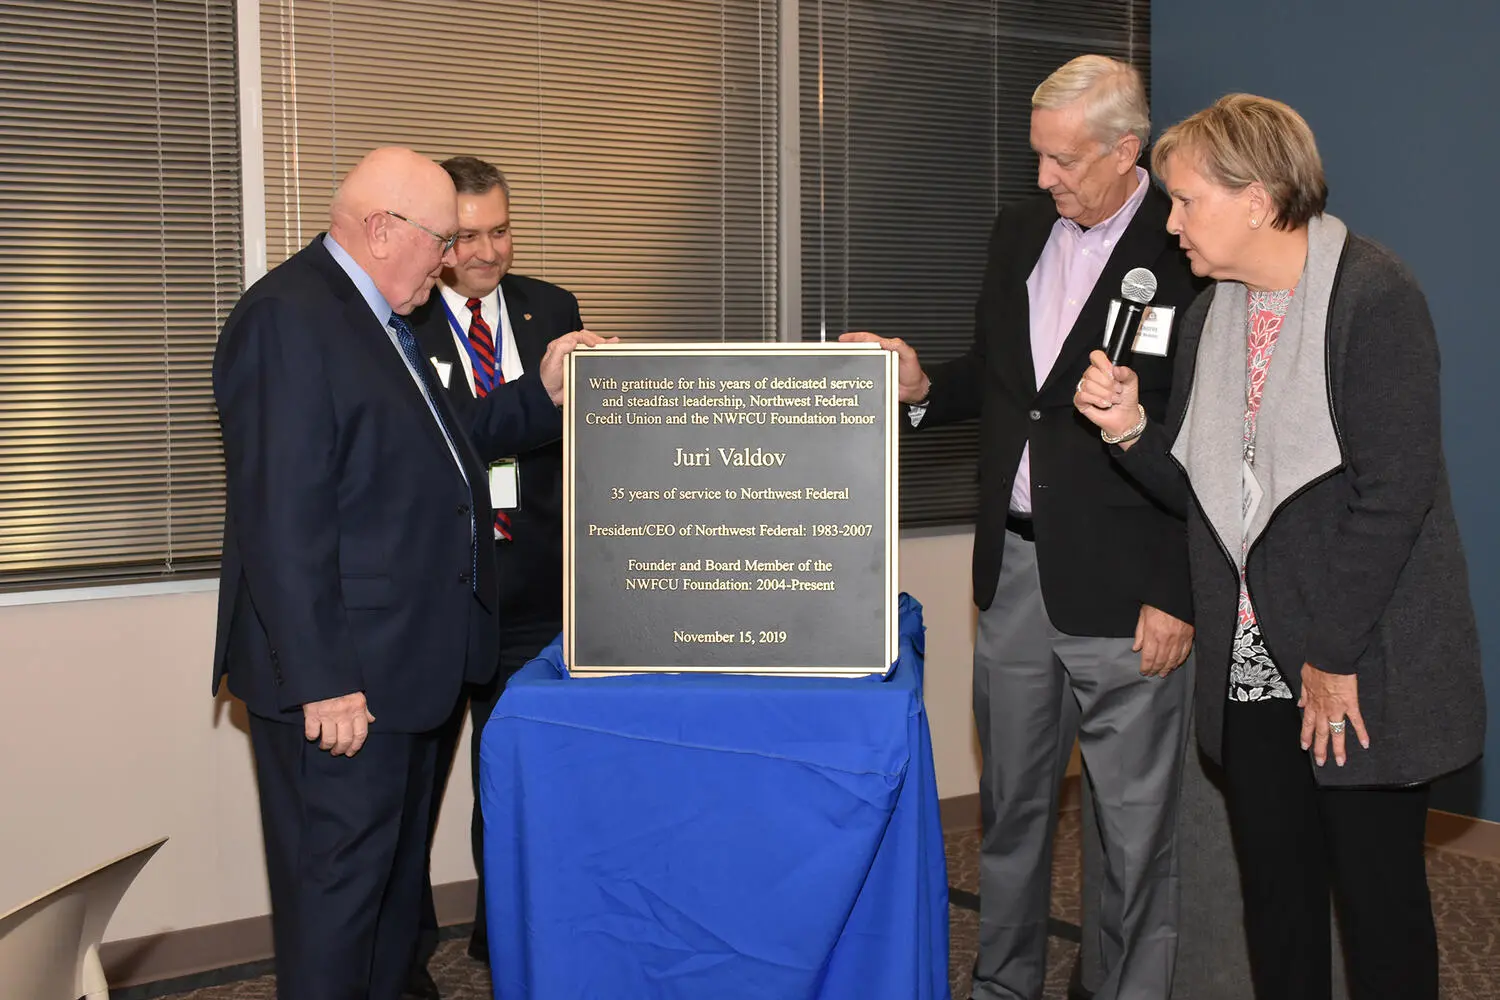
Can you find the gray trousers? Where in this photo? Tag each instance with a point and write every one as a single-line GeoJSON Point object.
{"type": "Point", "coordinates": [1132, 731]}
{"type": "Point", "coordinates": [1212, 962]}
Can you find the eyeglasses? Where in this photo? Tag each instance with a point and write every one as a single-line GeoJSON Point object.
{"type": "Point", "coordinates": [446, 241]}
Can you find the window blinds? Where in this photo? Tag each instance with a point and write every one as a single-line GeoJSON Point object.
{"type": "Point", "coordinates": [120, 257]}
{"type": "Point", "coordinates": [639, 139]}
{"type": "Point", "coordinates": [915, 130]}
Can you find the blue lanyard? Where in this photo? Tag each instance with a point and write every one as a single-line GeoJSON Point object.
{"type": "Point", "coordinates": [486, 383]}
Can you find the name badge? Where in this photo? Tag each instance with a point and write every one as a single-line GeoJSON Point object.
{"type": "Point", "coordinates": [505, 484]}
{"type": "Point", "coordinates": [1155, 334]}
{"type": "Point", "coordinates": [1251, 495]}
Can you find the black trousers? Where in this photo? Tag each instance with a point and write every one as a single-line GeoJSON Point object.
{"type": "Point", "coordinates": [481, 700]}
{"type": "Point", "coordinates": [346, 845]}
{"type": "Point", "coordinates": [1295, 841]}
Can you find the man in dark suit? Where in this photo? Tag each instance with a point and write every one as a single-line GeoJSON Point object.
{"type": "Point", "coordinates": [485, 328]}
{"type": "Point", "coordinates": [1057, 648]}
{"type": "Point", "coordinates": [354, 597]}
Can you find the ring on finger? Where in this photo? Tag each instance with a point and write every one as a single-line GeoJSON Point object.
{"type": "Point", "coordinates": [1080, 383]}
{"type": "Point", "coordinates": [1336, 727]}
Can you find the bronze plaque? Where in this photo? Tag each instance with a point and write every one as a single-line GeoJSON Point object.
{"type": "Point", "coordinates": [730, 508]}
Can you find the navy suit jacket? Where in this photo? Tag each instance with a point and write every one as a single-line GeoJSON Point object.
{"type": "Point", "coordinates": [348, 538]}
{"type": "Point", "coordinates": [530, 567]}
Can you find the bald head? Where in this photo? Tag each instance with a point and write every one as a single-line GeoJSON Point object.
{"type": "Point", "coordinates": [386, 214]}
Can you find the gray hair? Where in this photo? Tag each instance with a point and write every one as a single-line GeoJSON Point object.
{"type": "Point", "coordinates": [1114, 97]}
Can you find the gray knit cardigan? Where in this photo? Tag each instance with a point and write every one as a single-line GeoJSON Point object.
{"type": "Point", "coordinates": [1362, 571]}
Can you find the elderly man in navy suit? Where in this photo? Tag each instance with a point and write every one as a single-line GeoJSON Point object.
{"type": "Point", "coordinates": [482, 328]}
{"type": "Point", "coordinates": [358, 587]}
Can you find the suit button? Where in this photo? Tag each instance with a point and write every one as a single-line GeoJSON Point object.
{"type": "Point", "coordinates": [463, 578]}
{"type": "Point", "coordinates": [463, 508]}
{"type": "Point", "coordinates": [1035, 414]}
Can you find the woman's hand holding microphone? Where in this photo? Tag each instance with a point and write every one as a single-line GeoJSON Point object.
{"type": "Point", "coordinates": [1108, 395]}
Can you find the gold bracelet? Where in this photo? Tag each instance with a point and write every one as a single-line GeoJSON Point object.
{"type": "Point", "coordinates": [1130, 435]}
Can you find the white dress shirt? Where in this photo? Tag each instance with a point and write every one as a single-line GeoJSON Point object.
{"type": "Point", "coordinates": [492, 309]}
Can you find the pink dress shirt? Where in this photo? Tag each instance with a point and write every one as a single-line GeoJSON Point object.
{"type": "Point", "coordinates": [1063, 279]}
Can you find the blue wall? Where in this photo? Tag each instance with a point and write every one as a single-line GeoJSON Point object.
{"type": "Point", "coordinates": [1402, 97]}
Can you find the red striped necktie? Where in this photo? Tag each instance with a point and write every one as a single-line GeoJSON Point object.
{"type": "Point", "coordinates": [487, 373]}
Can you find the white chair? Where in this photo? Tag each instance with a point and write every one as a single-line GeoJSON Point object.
{"type": "Point", "coordinates": [49, 947]}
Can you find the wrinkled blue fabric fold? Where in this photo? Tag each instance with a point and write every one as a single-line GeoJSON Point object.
{"type": "Point", "coordinates": [715, 836]}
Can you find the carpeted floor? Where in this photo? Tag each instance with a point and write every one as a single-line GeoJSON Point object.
{"type": "Point", "coordinates": [1465, 891]}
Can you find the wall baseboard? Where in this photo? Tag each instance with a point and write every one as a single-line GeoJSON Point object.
{"type": "Point", "coordinates": [960, 813]}
{"type": "Point", "coordinates": [1476, 838]}
{"type": "Point", "coordinates": [187, 952]}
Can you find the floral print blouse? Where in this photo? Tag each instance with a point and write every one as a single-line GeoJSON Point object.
{"type": "Point", "coordinates": [1253, 675]}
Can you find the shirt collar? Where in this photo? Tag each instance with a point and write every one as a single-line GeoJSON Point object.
{"type": "Point", "coordinates": [458, 303]}
{"type": "Point", "coordinates": [1111, 227]}
{"type": "Point", "coordinates": [366, 284]}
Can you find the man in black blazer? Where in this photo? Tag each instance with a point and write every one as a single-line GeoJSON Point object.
{"type": "Point", "coordinates": [482, 328]}
{"type": "Point", "coordinates": [354, 597]}
{"type": "Point", "coordinates": [1058, 647]}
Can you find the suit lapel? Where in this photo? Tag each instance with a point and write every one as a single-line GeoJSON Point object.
{"type": "Point", "coordinates": [1139, 246]}
{"type": "Point", "coordinates": [436, 338]}
{"type": "Point", "coordinates": [524, 326]}
{"type": "Point", "coordinates": [387, 360]}
{"type": "Point", "coordinates": [1016, 361]}
{"type": "Point", "coordinates": [434, 333]}
{"type": "Point", "coordinates": [363, 333]}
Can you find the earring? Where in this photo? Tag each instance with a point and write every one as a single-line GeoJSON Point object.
{"type": "Point", "coordinates": [1254, 223]}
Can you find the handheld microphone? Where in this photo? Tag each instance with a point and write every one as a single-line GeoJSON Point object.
{"type": "Point", "coordinates": [1137, 291]}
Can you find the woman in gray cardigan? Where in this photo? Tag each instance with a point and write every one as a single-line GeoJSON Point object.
{"type": "Point", "coordinates": [1337, 653]}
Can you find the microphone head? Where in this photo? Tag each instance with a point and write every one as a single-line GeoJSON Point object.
{"type": "Point", "coordinates": [1139, 286]}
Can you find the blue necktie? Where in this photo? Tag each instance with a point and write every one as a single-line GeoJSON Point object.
{"type": "Point", "coordinates": [408, 342]}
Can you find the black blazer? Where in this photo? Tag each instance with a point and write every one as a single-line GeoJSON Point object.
{"type": "Point", "coordinates": [530, 567]}
{"type": "Point", "coordinates": [1104, 547]}
{"type": "Point", "coordinates": [348, 528]}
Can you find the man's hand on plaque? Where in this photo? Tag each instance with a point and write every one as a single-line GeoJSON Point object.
{"type": "Point", "coordinates": [914, 381]}
{"type": "Point", "coordinates": [551, 369]}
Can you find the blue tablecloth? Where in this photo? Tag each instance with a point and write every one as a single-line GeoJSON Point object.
{"type": "Point", "coordinates": [718, 837]}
